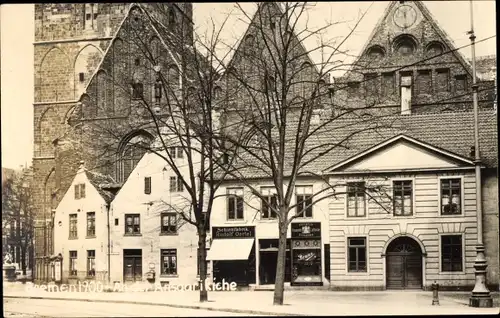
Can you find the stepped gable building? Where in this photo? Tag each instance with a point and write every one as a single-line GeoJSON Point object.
{"type": "Point", "coordinates": [410, 63]}
{"type": "Point", "coordinates": [82, 51]}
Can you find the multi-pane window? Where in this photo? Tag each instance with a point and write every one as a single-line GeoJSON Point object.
{"type": "Point", "coordinates": [72, 263]}
{"type": "Point", "coordinates": [461, 83]}
{"type": "Point", "coordinates": [451, 253]}
{"type": "Point", "coordinates": [90, 223]}
{"type": "Point", "coordinates": [73, 226]}
{"type": "Point", "coordinates": [356, 254]}
{"type": "Point", "coordinates": [356, 199]}
{"type": "Point", "coordinates": [176, 152]}
{"type": "Point", "coordinates": [207, 263]}
{"type": "Point", "coordinates": [176, 184]}
{"type": "Point", "coordinates": [268, 203]}
{"type": "Point", "coordinates": [137, 90]}
{"type": "Point", "coordinates": [235, 204]}
{"type": "Point", "coordinates": [132, 224]}
{"type": "Point", "coordinates": [388, 81]}
{"type": "Point", "coordinates": [79, 191]}
{"type": "Point", "coordinates": [168, 223]}
{"type": "Point", "coordinates": [91, 263]}
{"type": "Point", "coordinates": [451, 196]}
{"type": "Point", "coordinates": [442, 80]}
{"type": "Point", "coordinates": [169, 262]}
{"type": "Point", "coordinates": [424, 82]}
{"type": "Point", "coordinates": [303, 195]}
{"type": "Point", "coordinates": [147, 185]}
{"type": "Point", "coordinates": [403, 197]}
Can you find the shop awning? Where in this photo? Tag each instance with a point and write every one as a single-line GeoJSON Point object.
{"type": "Point", "coordinates": [230, 249]}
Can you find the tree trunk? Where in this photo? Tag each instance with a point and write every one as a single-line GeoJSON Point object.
{"type": "Point", "coordinates": [202, 257]}
{"type": "Point", "coordinates": [279, 286]}
{"type": "Point", "coordinates": [23, 259]}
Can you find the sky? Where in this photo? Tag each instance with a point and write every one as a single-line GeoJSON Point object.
{"type": "Point", "coordinates": [17, 36]}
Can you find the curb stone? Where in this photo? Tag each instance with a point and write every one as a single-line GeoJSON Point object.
{"type": "Point", "coordinates": [230, 310]}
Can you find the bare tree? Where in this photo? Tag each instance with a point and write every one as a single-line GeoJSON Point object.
{"type": "Point", "coordinates": [280, 106]}
{"type": "Point", "coordinates": [17, 216]}
{"type": "Point", "coordinates": [157, 80]}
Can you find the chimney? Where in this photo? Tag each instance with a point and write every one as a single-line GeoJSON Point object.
{"type": "Point", "coordinates": [406, 94]}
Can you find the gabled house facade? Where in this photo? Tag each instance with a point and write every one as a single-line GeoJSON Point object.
{"type": "Point", "coordinates": [149, 237]}
{"type": "Point", "coordinates": [81, 228]}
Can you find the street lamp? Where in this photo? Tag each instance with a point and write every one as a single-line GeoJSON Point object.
{"type": "Point", "coordinates": [480, 296]}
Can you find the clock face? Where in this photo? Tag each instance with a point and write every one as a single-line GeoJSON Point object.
{"type": "Point", "coordinates": [405, 16]}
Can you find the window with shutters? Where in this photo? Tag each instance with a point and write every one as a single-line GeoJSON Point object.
{"type": "Point", "coordinates": [451, 196]}
{"type": "Point", "coordinates": [132, 224]}
{"type": "Point", "coordinates": [403, 197]}
{"type": "Point", "coordinates": [168, 223]}
{"type": "Point", "coordinates": [147, 185]}
{"type": "Point", "coordinates": [235, 204]}
{"type": "Point", "coordinates": [168, 262]}
{"type": "Point", "coordinates": [442, 80]}
{"type": "Point", "coordinates": [356, 201]}
{"type": "Point", "coordinates": [451, 253]}
{"type": "Point", "coordinates": [356, 254]}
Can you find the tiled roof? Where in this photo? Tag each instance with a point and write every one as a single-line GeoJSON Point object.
{"type": "Point", "coordinates": [449, 131]}
{"type": "Point", "coordinates": [103, 184]}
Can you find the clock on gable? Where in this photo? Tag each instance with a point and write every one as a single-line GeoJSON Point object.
{"type": "Point", "coordinates": [405, 16]}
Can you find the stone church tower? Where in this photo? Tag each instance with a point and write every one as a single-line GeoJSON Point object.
{"type": "Point", "coordinates": [70, 42]}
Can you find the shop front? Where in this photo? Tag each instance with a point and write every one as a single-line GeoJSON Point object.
{"type": "Point", "coordinates": [306, 254]}
{"type": "Point", "coordinates": [268, 261]}
{"type": "Point", "coordinates": [233, 254]}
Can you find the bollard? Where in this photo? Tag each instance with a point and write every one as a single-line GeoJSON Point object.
{"type": "Point", "coordinates": [435, 295]}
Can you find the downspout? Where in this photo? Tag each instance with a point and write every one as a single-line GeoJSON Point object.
{"type": "Point", "coordinates": [109, 244]}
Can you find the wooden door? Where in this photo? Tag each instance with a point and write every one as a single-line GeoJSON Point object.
{"type": "Point", "coordinates": [395, 271]}
{"type": "Point", "coordinates": [404, 264]}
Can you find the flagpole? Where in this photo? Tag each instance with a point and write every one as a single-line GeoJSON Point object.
{"type": "Point", "coordinates": [480, 296]}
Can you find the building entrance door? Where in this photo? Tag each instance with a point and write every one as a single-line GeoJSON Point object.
{"type": "Point", "coordinates": [404, 264]}
{"type": "Point", "coordinates": [132, 265]}
{"type": "Point", "coordinates": [268, 261]}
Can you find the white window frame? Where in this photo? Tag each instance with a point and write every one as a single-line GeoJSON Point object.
{"type": "Point", "coordinates": [267, 191]}
{"type": "Point", "coordinates": [346, 203]}
{"type": "Point", "coordinates": [440, 254]}
{"type": "Point", "coordinates": [238, 191]}
{"type": "Point", "coordinates": [305, 189]}
{"type": "Point", "coordinates": [346, 257]}
{"type": "Point", "coordinates": [462, 197]}
{"type": "Point", "coordinates": [413, 203]}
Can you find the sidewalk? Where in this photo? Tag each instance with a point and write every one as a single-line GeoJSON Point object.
{"type": "Point", "coordinates": [260, 303]}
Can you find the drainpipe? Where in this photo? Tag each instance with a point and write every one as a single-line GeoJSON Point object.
{"type": "Point", "coordinates": [109, 245]}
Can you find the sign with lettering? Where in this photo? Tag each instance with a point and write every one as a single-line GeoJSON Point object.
{"type": "Point", "coordinates": [306, 230]}
{"type": "Point", "coordinates": [233, 232]}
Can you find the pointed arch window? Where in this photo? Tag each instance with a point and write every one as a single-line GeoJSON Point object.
{"type": "Point", "coordinates": [130, 152]}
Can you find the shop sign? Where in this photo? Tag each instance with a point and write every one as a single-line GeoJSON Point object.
{"type": "Point", "coordinates": [306, 230]}
{"type": "Point", "coordinates": [233, 232]}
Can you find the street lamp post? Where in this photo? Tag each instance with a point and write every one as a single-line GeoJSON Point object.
{"type": "Point", "coordinates": [480, 296]}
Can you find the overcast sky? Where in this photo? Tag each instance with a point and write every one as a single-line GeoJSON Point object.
{"type": "Point", "coordinates": [17, 30]}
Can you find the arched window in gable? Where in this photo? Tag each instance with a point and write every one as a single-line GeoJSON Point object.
{"type": "Point", "coordinates": [130, 151]}
{"type": "Point", "coordinates": [405, 44]}
{"type": "Point", "coordinates": [434, 48]}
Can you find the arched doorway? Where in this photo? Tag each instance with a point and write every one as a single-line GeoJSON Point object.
{"type": "Point", "coordinates": [404, 264]}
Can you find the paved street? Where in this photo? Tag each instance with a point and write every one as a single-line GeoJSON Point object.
{"type": "Point", "coordinates": [28, 308]}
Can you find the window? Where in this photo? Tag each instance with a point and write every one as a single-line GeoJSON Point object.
{"type": "Point", "coordinates": [137, 61]}
{"type": "Point", "coordinates": [79, 191]}
{"type": "Point", "coordinates": [132, 224]}
{"type": "Point", "coordinates": [73, 228]}
{"type": "Point", "coordinates": [72, 263]}
{"type": "Point", "coordinates": [171, 17]}
{"type": "Point", "coordinates": [176, 152]}
{"type": "Point", "coordinates": [169, 262]}
{"type": "Point", "coordinates": [81, 77]}
{"type": "Point", "coordinates": [91, 263]}
{"type": "Point", "coordinates": [168, 223]}
{"type": "Point", "coordinates": [434, 49]}
{"type": "Point", "coordinates": [442, 80]}
{"type": "Point", "coordinates": [116, 221]}
{"type": "Point", "coordinates": [451, 253]}
{"type": "Point", "coordinates": [235, 204]}
{"type": "Point", "coordinates": [352, 88]}
{"type": "Point", "coordinates": [403, 198]}
{"type": "Point", "coordinates": [388, 83]}
{"type": "Point", "coordinates": [137, 90]}
{"type": "Point", "coordinates": [269, 204]}
{"type": "Point", "coordinates": [404, 45]}
{"type": "Point", "coordinates": [356, 199]}
{"type": "Point", "coordinates": [424, 82]}
{"type": "Point", "coordinates": [272, 23]}
{"type": "Point", "coordinates": [451, 196]}
{"type": "Point", "coordinates": [207, 263]}
{"type": "Point", "coordinates": [357, 254]}
{"type": "Point", "coordinates": [303, 195]}
{"type": "Point", "coordinates": [147, 185]}
{"type": "Point", "coordinates": [176, 184]}
{"type": "Point", "coordinates": [90, 224]}
{"type": "Point", "coordinates": [461, 83]}
{"type": "Point", "coordinates": [371, 83]}
{"type": "Point", "coordinates": [217, 92]}
{"type": "Point", "coordinates": [90, 13]}
{"type": "Point", "coordinates": [376, 52]}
